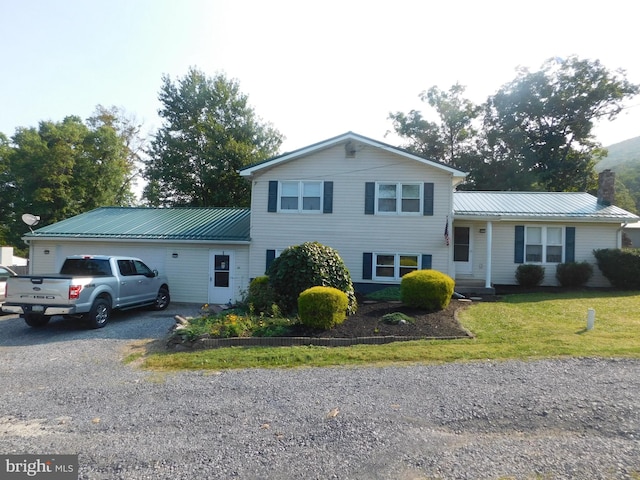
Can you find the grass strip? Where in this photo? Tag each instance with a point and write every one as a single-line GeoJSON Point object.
{"type": "Point", "coordinates": [526, 326]}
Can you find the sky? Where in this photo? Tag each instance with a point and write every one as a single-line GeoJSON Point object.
{"type": "Point", "coordinates": [313, 69]}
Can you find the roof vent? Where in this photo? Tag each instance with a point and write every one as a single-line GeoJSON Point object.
{"type": "Point", "coordinates": [350, 149]}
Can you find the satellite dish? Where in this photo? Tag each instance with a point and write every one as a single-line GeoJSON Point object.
{"type": "Point", "coordinates": [30, 220]}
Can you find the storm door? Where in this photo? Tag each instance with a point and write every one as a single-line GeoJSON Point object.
{"type": "Point", "coordinates": [220, 277]}
{"type": "Point", "coordinates": [462, 249]}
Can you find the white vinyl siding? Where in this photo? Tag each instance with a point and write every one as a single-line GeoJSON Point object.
{"type": "Point", "coordinates": [348, 229]}
{"type": "Point", "coordinates": [588, 236]}
{"type": "Point", "coordinates": [188, 272]}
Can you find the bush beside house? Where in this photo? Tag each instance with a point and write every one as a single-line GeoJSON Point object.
{"type": "Point", "coordinates": [620, 267]}
{"type": "Point", "coordinates": [428, 289]}
{"type": "Point", "coordinates": [310, 264]}
{"type": "Point", "coordinates": [322, 307]}
{"type": "Point", "coordinates": [573, 274]}
{"type": "Point", "coordinates": [529, 275]}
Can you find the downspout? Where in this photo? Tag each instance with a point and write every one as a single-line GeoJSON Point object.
{"type": "Point", "coordinates": [619, 235]}
{"type": "Point", "coordinates": [487, 278]}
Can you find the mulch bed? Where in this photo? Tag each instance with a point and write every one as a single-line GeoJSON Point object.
{"type": "Point", "coordinates": [367, 322]}
{"type": "Point", "coordinates": [366, 326]}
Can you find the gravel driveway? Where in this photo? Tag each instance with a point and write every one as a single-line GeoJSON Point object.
{"type": "Point", "coordinates": [64, 390]}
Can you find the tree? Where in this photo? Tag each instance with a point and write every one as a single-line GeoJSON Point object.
{"type": "Point", "coordinates": [542, 122]}
{"type": "Point", "coordinates": [126, 139]}
{"type": "Point", "coordinates": [628, 189]}
{"type": "Point", "coordinates": [209, 132]}
{"type": "Point", "coordinates": [7, 190]}
{"type": "Point", "coordinates": [536, 131]}
{"type": "Point", "coordinates": [65, 168]}
{"type": "Point", "coordinates": [451, 140]}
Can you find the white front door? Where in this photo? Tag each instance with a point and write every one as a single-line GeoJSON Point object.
{"type": "Point", "coordinates": [462, 250]}
{"type": "Point", "coordinates": [220, 278]}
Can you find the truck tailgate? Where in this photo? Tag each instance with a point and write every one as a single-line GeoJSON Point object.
{"type": "Point", "coordinates": [34, 290]}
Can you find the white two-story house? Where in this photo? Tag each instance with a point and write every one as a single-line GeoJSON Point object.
{"type": "Point", "coordinates": [388, 212]}
{"type": "Point", "coordinates": [384, 210]}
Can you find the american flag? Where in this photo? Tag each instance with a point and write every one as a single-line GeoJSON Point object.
{"type": "Point", "coordinates": [446, 232]}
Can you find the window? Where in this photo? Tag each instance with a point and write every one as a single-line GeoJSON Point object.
{"type": "Point", "coordinates": [141, 268]}
{"type": "Point", "coordinates": [543, 244]}
{"type": "Point", "coordinates": [126, 268]}
{"type": "Point", "coordinates": [272, 254]}
{"type": "Point", "coordinates": [4, 274]}
{"type": "Point", "coordinates": [554, 244]}
{"type": "Point", "coordinates": [399, 198]}
{"type": "Point", "coordinates": [221, 269]}
{"type": "Point", "coordinates": [390, 266]}
{"type": "Point", "coordinates": [298, 196]}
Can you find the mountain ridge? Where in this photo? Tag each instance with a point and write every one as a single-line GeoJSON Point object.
{"type": "Point", "coordinates": [623, 154]}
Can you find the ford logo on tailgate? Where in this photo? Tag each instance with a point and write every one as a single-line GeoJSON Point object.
{"type": "Point", "coordinates": [37, 289]}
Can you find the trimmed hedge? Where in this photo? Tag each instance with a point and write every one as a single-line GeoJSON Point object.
{"type": "Point", "coordinates": [428, 289]}
{"type": "Point", "coordinates": [529, 275]}
{"type": "Point", "coordinates": [574, 274]}
{"type": "Point", "coordinates": [322, 307]}
{"type": "Point", "coordinates": [620, 267]}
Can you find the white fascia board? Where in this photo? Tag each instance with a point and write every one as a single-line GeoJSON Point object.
{"type": "Point", "coordinates": [248, 172]}
{"type": "Point", "coordinates": [539, 219]}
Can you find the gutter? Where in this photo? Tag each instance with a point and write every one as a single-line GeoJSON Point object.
{"type": "Point", "coordinates": [543, 219]}
{"type": "Point", "coordinates": [30, 239]}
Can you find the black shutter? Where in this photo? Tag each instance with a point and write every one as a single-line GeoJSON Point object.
{"type": "Point", "coordinates": [328, 198]}
{"type": "Point", "coordinates": [369, 198]}
{"type": "Point", "coordinates": [428, 199]}
{"type": "Point", "coordinates": [519, 245]}
{"type": "Point", "coordinates": [426, 261]}
{"type": "Point", "coordinates": [271, 256]}
{"type": "Point", "coordinates": [367, 266]}
{"type": "Point", "coordinates": [272, 203]}
{"type": "Point", "coordinates": [570, 244]}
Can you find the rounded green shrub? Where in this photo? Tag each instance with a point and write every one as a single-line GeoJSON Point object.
{"type": "Point", "coordinates": [620, 267]}
{"type": "Point", "coordinates": [428, 289]}
{"type": "Point", "coordinates": [261, 295]}
{"type": "Point", "coordinates": [322, 307]}
{"type": "Point", "coordinates": [529, 275]}
{"type": "Point", "coordinates": [309, 265]}
{"type": "Point", "coordinates": [574, 274]}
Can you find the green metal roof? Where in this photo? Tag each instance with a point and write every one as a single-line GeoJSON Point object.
{"type": "Point", "coordinates": [207, 224]}
{"type": "Point", "coordinates": [537, 206]}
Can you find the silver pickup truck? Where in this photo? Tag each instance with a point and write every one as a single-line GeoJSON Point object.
{"type": "Point", "coordinates": [89, 286]}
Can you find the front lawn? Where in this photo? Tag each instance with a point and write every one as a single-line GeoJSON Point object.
{"type": "Point", "coordinates": [521, 326]}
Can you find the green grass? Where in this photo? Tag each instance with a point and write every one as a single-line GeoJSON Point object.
{"type": "Point", "coordinates": [389, 293]}
{"type": "Point", "coordinates": [524, 326]}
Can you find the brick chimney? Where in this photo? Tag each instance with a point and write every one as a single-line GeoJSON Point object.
{"type": "Point", "coordinates": [606, 187]}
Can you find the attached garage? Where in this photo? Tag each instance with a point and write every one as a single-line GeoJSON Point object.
{"type": "Point", "coordinates": [203, 251]}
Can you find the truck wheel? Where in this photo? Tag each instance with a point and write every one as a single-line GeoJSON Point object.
{"type": "Point", "coordinates": [162, 300]}
{"type": "Point", "coordinates": [35, 319]}
{"type": "Point", "coordinates": [99, 314]}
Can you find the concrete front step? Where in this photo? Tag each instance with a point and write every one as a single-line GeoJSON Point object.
{"type": "Point", "coordinates": [469, 289]}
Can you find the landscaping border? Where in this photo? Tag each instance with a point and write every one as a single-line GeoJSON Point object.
{"type": "Point", "coordinates": [310, 341]}
{"type": "Point", "coordinates": [204, 343]}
